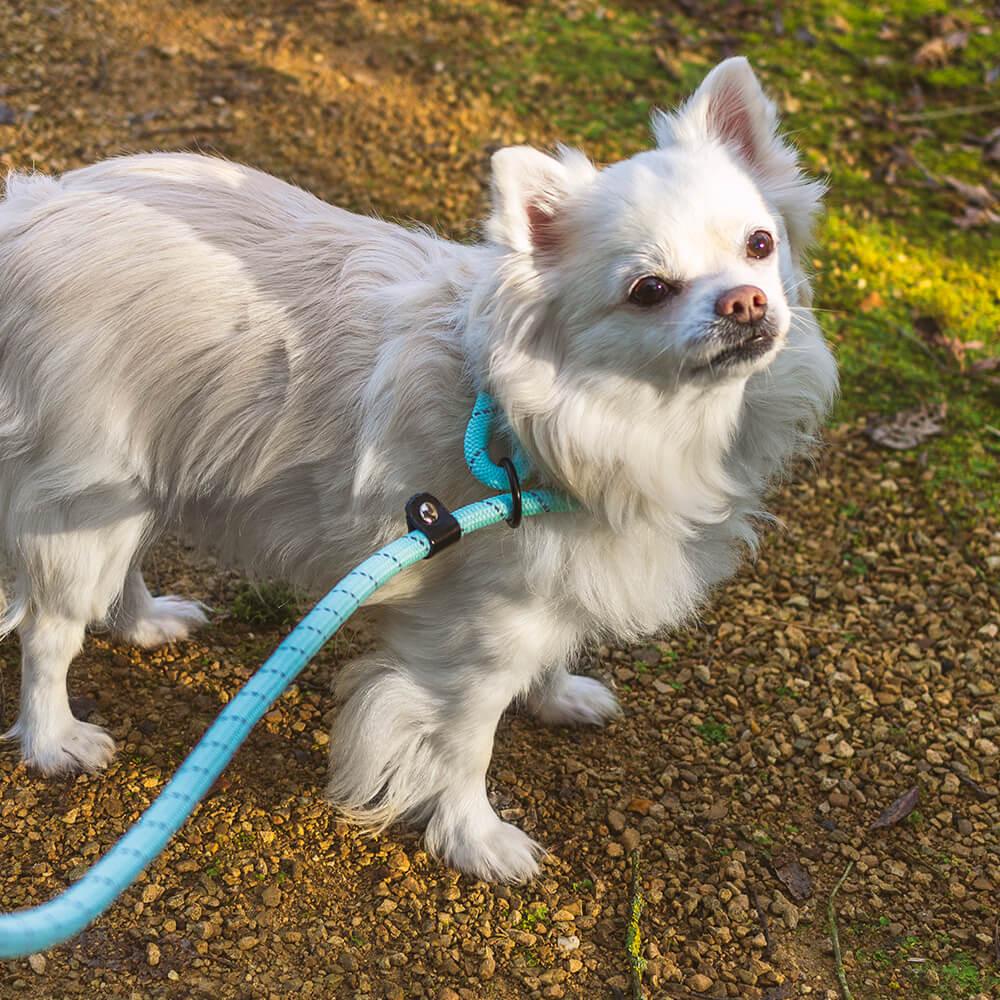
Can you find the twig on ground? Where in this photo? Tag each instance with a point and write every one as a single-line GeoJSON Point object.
{"type": "Point", "coordinates": [923, 345]}
{"type": "Point", "coordinates": [932, 113]}
{"type": "Point", "coordinates": [917, 860]}
{"type": "Point", "coordinates": [845, 990]}
{"type": "Point", "coordinates": [762, 917]}
{"type": "Point", "coordinates": [633, 935]}
{"type": "Point", "coordinates": [766, 620]}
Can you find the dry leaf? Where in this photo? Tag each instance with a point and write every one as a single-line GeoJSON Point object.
{"type": "Point", "coordinates": [899, 810]}
{"type": "Point", "coordinates": [872, 301]}
{"type": "Point", "coordinates": [937, 50]}
{"type": "Point", "coordinates": [908, 428]}
{"type": "Point", "coordinates": [672, 66]}
{"type": "Point", "coordinates": [793, 877]}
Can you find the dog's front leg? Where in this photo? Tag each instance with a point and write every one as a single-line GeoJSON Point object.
{"type": "Point", "coordinates": [415, 734]}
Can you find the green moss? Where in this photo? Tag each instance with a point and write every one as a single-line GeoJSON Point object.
{"type": "Point", "coordinates": [891, 960]}
{"type": "Point", "coordinates": [962, 978]}
{"type": "Point", "coordinates": [536, 915]}
{"type": "Point", "coordinates": [713, 732]}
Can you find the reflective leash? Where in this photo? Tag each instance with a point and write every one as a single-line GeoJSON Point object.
{"type": "Point", "coordinates": [433, 527]}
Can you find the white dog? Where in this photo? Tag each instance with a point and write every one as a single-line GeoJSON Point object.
{"type": "Point", "coordinates": [190, 344]}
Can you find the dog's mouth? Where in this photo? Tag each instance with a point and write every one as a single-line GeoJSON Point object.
{"type": "Point", "coordinates": [733, 347]}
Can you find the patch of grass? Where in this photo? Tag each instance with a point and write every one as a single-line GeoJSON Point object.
{"type": "Point", "coordinates": [856, 564]}
{"type": "Point", "coordinates": [961, 978]}
{"type": "Point", "coordinates": [530, 957]}
{"type": "Point", "coordinates": [668, 659]}
{"type": "Point", "coordinates": [266, 605]}
{"type": "Point", "coordinates": [879, 957]}
{"type": "Point", "coordinates": [958, 978]}
{"type": "Point", "coordinates": [713, 732]}
{"type": "Point", "coordinates": [536, 915]}
{"type": "Point", "coordinates": [583, 885]}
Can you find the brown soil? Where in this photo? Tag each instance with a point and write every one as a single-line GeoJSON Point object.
{"type": "Point", "coordinates": [855, 660]}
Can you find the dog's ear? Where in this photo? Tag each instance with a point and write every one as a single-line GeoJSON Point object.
{"type": "Point", "coordinates": [529, 191]}
{"type": "Point", "coordinates": [731, 107]}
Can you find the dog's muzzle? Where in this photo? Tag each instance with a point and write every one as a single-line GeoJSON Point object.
{"type": "Point", "coordinates": [729, 343]}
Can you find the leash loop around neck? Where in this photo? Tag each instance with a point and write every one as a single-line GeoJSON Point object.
{"type": "Point", "coordinates": [477, 455]}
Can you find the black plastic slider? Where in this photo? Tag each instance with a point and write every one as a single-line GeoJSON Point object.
{"type": "Point", "coordinates": [426, 514]}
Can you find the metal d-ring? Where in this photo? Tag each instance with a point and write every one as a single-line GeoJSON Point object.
{"type": "Point", "coordinates": [515, 492]}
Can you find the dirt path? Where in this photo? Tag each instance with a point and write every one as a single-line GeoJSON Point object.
{"type": "Point", "coordinates": [856, 660]}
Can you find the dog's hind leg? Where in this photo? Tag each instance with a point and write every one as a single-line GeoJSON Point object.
{"type": "Point", "coordinates": [67, 578]}
{"type": "Point", "coordinates": [564, 699]}
{"type": "Point", "coordinates": [144, 620]}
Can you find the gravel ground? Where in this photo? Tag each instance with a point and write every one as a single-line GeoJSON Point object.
{"type": "Point", "coordinates": [855, 661]}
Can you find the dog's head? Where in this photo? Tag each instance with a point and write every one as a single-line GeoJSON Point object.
{"type": "Point", "coordinates": [678, 265]}
{"type": "Point", "coordinates": [634, 310]}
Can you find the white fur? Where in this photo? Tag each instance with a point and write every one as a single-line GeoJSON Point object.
{"type": "Point", "coordinates": [190, 344]}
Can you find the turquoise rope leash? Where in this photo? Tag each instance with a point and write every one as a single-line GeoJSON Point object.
{"type": "Point", "coordinates": [50, 923]}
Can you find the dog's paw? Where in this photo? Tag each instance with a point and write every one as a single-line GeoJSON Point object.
{"type": "Point", "coordinates": [72, 747]}
{"type": "Point", "coordinates": [165, 619]}
{"type": "Point", "coordinates": [575, 701]}
{"type": "Point", "coordinates": [467, 834]}
{"type": "Point", "coordinates": [493, 851]}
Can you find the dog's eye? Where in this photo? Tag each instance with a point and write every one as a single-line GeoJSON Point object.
{"type": "Point", "coordinates": [650, 291]}
{"type": "Point", "coordinates": [760, 244]}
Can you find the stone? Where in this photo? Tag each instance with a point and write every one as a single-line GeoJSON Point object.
{"type": "Point", "coordinates": [630, 839]}
{"type": "Point", "coordinates": [488, 966]}
{"type": "Point", "coordinates": [399, 861]}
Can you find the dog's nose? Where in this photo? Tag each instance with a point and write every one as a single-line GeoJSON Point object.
{"type": "Point", "coordinates": [744, 304]}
